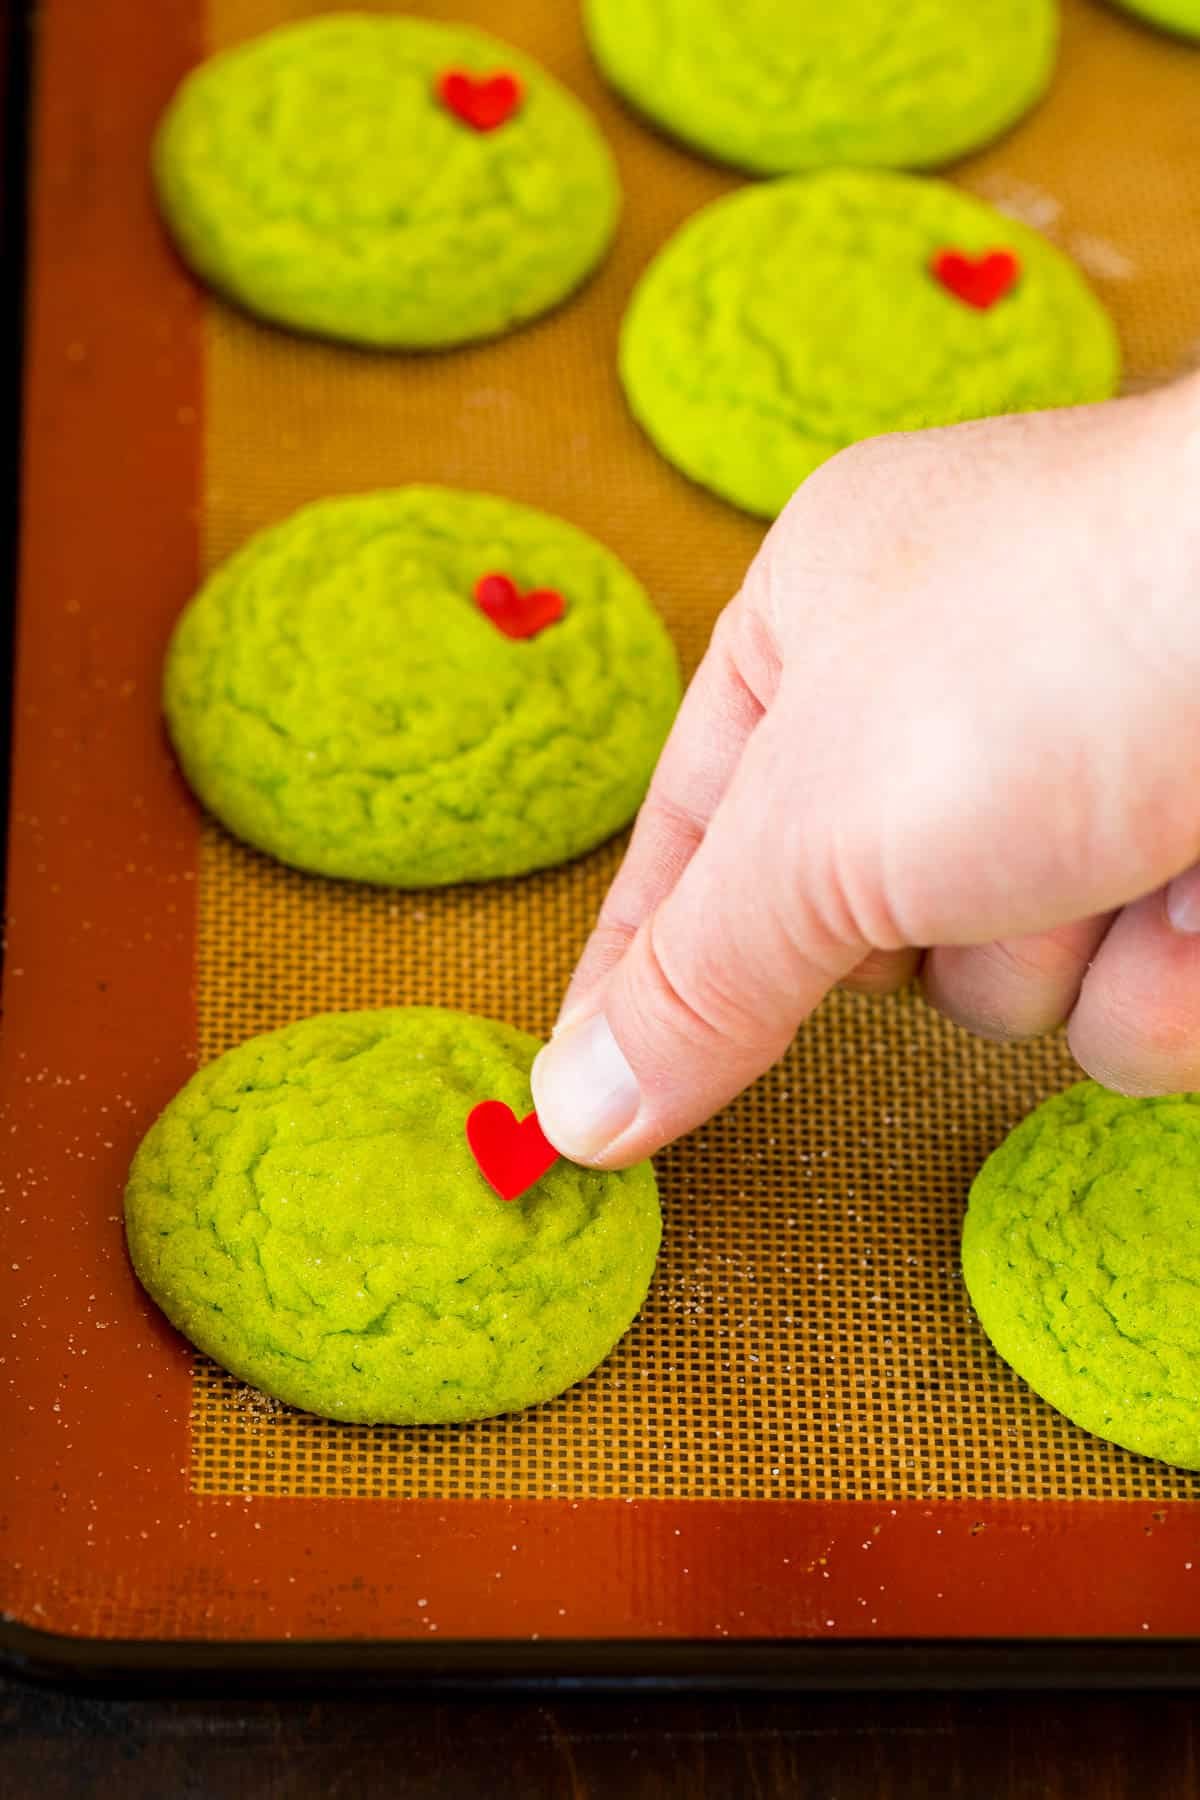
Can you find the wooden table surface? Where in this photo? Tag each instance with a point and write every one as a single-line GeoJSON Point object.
{"type": "Point", "coordinates": [997, 1747]}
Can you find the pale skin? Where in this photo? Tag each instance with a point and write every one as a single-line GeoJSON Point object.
{"type": "Point", "coordinates": [948, 730]}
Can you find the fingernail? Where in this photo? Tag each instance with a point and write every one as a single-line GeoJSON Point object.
{"type": "Point", "coordinates": [584, 1090]}
{"type": "Point", "coordinates": [578, 1009]}
{"type": "Point", "coordinates": [1183, 901]}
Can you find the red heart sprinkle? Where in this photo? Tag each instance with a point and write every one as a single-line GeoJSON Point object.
{"type": "Point", "coordinates": [482, 101]}
{"type": "Point", "coordinates": [512, 1153]}
{"type": "Point", "coordinates": [978, 280]}
{"type": "Point", "coordinates": [516, 614]}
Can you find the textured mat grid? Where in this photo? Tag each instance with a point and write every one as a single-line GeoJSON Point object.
{"type": "Point", "coordinates": [807, 1334]}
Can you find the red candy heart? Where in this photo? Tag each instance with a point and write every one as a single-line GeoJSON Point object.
{"type": "Point", "coordinates": [482, 101]}
{"type": "Point", "coordinates": [979, 281]}
{"type": "Point", "coordinates": [516, 614]}
{"type": "Point", "coordinates": [512, 1153]}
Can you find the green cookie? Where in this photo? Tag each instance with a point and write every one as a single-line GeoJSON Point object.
{"type": "Point", "coordinates": [779, 85]}
{"type": "Point", "coordinates": [791, 319]}
{"type": "Point", "coordinates": [338, 698]}
{"type": "Point", "coordinates": [1175, 15]}
{"type": "Point", "coordinates": [315, 175]}
{"type": "Point", "coordinates": [308, 1213]}
{"type": "Point", "coordinates": [1081, 1251]}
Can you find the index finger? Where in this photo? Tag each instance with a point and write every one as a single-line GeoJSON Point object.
{"type": "Point", "coordinates": [727, 696]}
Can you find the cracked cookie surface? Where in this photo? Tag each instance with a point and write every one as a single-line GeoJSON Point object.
{"type": "Point", "coordinates": [337, 698]}
{"type": "Point", "coordinates": [774, 86]}
{"type": "Point", "coordinates": [791, 319]}
{"type": "Point", "coordinates": [314, 176]}
{"type": "Point", "coordinates": [307, 1212]}
{"type": "Point", "coordinates": [1081, 1253]}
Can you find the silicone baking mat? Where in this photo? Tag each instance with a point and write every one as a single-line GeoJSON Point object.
{"type": "Point", "coordinates": [805, 1435]}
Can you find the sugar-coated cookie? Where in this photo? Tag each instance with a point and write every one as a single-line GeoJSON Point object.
{"type": "Point", "coordinates": [790, 319]}
{"type": "Point", "coordinates": [307, 1211]}
{"type": "Point", "coordinates": [1081, 1252]}
{"type": "Point", "coordinates": [390, 181]}
{"type": "Point", "coordinates": [1182, 16]}
{"type": "Point", "coordinates": [346, 693]}
{"type": "Point", "coordinates": [775, 86]}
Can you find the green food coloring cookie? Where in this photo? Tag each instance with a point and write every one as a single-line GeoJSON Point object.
{"type": "Point", "coordinates": [339, 699]}
{"type": "Point", "coordinates": [308, 1213]}
{"type": "Point", "coordinates": [774, 86]}
{"type": "Point", "coordinates": [1081, 1252]}
{"type": "Point", "coordinates": [317, 176]}
{"type": "Point", "coordinates": [1174, 15]}
{"type": "Point", "coordinates": [791, 319]}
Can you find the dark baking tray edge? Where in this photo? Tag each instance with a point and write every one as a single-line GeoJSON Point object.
{"type": "Point", "coordinates": [616, 1665]}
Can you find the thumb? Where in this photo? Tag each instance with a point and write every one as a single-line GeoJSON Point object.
{"type": "Point", "coordinates": [712, 986]}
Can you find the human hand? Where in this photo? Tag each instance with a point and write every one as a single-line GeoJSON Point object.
{"type": "Point", "coordinates": [949, 726]}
